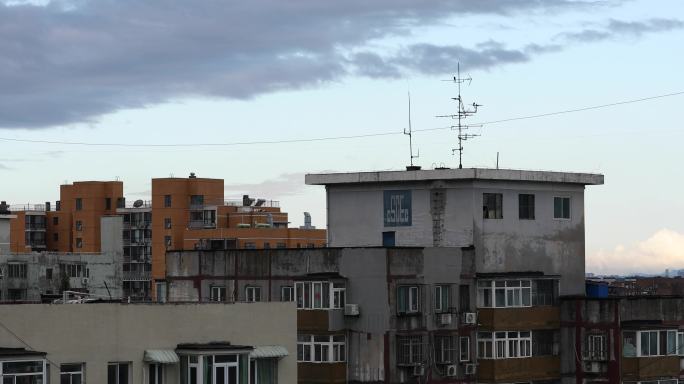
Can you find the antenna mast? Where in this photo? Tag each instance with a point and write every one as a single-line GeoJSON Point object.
{"type": "Point", "coordinates": [461, 115]}
{"type": "Point", "coordinates": [409, 133]}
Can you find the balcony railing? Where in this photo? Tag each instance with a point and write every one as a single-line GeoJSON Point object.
{"type": "Point", "coordinates": [35, 227]}
{"type": "Point", "coordinates": [137, 224]}
{"type": "Point", "coordinates": [26, 207]}
{"type": "Point", "coordinates": [137, 242]}
{"type": "Point", "coordinates": [201, 224]}
{"type": "Point", "coordinates": [137, 276]}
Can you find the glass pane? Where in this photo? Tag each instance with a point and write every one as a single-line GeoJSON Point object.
{"type": "Point", "coordinates": [500, 297]}
{"type": "Point", "coordinates": [220, 373]}
{"type": "Point", "coordinates": [22, 367]}
{"type": "Point", "coordinates": [153, 374]}
{"type": "Point", "coordinates": [225, 358]}
{"type": "Point", "coordinates": [644, 344]}
{"type": "Point", "coordinates": [111, 374]}
{"type": "Point", "coordinates": [654, 343]}
{"type": "Point", "coordinates": [123, 374]}
{"type": "Point", "coordinates": [232, 375]}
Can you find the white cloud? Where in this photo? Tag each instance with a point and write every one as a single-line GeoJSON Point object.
{"type": "Point", "coordinates": [663, 250]}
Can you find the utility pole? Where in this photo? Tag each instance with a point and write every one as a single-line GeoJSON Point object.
{"type": "Point", "coordinates": [461, 114]}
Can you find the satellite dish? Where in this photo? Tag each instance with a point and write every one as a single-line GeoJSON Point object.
{"type": "Point", "coordinates": [138, 203]}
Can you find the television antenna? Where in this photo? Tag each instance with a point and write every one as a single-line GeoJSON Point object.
{"type": "Point", "coordinates": [461, 114]}
{"type": "Point", "coordinates": [409, 133]}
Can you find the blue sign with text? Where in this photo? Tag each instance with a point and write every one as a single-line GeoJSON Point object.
{"type": "Point", "coordinates": [397, 208]}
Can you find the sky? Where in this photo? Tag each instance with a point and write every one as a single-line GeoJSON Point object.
{"type": "Point", "coordinates": [169, 72]}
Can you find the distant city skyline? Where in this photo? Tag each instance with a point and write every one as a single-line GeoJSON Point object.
{"type": "Point", "coordinates": [150, 73]}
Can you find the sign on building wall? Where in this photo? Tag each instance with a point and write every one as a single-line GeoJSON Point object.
{"type": "Point", "coordinates": [397, 208]}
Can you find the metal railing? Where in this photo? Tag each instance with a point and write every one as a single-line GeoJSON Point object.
{"type": "Point", "coordinates": [137, 276]}
{"type": "Point", "coordinates": [200, 224]}
{"type": "Point", "coordinates": [26, 207]}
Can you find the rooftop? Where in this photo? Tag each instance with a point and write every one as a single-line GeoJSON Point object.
{"type": "Point", "coordinates": [454, 174]}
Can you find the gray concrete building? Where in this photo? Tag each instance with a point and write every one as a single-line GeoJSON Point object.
{"type": "Point", "coordinates": [148, 343]}
{"type": "Point", "coordinates": [5, 218]}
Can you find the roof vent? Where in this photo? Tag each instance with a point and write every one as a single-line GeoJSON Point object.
{"type": "Point", "coordinates": [413, 167]}
{"type": "Point", "coordinates": [4, 208]}
{"type": "Point", "coordinates": [192, 175]}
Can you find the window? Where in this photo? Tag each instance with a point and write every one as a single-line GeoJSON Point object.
{"type": "Point", "coordinates": [561, 207]}
{"type": "Point", "coordinates": [79, 225]}
{"type": "Point", "coordinates": [16, 270]}
{"type": "Point", "coordinates": [48, 273]}
{"type": "Point", "coordinates": [525, 206]}
{"type": "Point", "coordinates": [55, 236]}
{"type": "Point", "coordinates": [464, 349]}
{"type": "Point", "coordinates": [117, 373]}
{"type": "Point", "coordinates": [250, 245]}
{"type": "Point", "coordinates": [545, 343]}
{"type": "Point", "coordinates": [464, 298]}
{"type": "Point", "coordinates": [197, 200]}
{"type": "Point", "coordinates": [281, 245]}
{"type": "Point", "coordinates": [407, 299]}
{"type": "Point", "coordinates": [71, 270]}
{"type": "Point", "coordinates": [79, 204]}
{"type": "Point", "coordinates": [167, 222]}
{"type": "Point", "coordinates": [492, 205]}
{"type": "Point", "coordinates": [108, 203]}
{"type": "Point", "coordinates": [596, 347]}
{"type": "Point", "coordinates": [16, 294]}
{"type": "Point", "coordinates": [287, 293]}
{"type": "Point", "coordinates": [29, 372]}
{"type": "Point", "coordinates": [218, 293]}
{"type": "Point", "coordinates": [252, 294]}
{"type": "Point", "coordinates": [504, 293]}
{"type": "Point", "coordinates": [167, 241]}
{"type": "Point", "coordinates": [629, 344]}
{"type": "Point", "coordinates": [409, 350]}
{"type": "Point", "coordinates": [321, 348]}
{"type": "Point", "coordinates": [338, 294]}
{"type": "Point", "coordinates": [649, 343]}
{"type": "Point", "coordinates": [79, 242]}
{"type": "Point", "coordinates": [167, 201]}
{"type": "Point", "coordinates": [161, 291]}
{"type": "Point", "coordinates": [71, 373]}
{"type": "Point", "coordinates": [444, 349]}
{"type": "Point", "coordinates": [267, 245]}
{"type": "Point", "coordinates": [680, 343]}
{"type": "Point", "coordinates": [441, 298]}
{"type": "Point", "coordinates": [544, 292]}
{"type": "Point", "coordinates": [55, 220]}
{"type": "Point", "coordinates": [156, 374]}
{"type": "Point", "coordinates": [315, 294]}
{"type": "Point", "coordinates": [504, 345]}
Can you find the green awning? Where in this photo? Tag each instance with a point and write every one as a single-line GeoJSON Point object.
{"type": "Point", "coordinates": [161, 356]}
{"type": "Point", "coordinates": [268, 351]}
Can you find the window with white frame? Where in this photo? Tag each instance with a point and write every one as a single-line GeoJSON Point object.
{"type": "Point", "coordinates": [319, 295]}
{"type": "Point", "coordinates": [444, 349]}
{"type": "Point", "coordinates": [71, 373]}
{"type": "Point", "coordinates": [156, 374]}
{"type": "Point", "coordinates": [321, 348]}
{"type": "Point", "coordinates": [442, 298]}
{"type": "Point", "coordinates": [287, 293]}
{"type": "Point", "coordinates": [118, 373]}
{"type": "Point", "coordinates": [680, 343]}
{"type": "Point", "coordinates": [218, 293]}
{"type": "Point", "coordinates": [464, 348]}
{"type": "Point", "coordinates": [408, 299]}
{"type": "Point", "coordinates": [649, 343]}
{"type": "Point", "coordinates": [561, 208]}
{"type": "Point", "coordinates": [504, 293]}
{"type": "Point", "coordinates": [409, 350]}
{"type": "Point", "coordinates": [30, 372]}
{"type": "Point", "coordinates": [504, 345]}
{"type": "Point", "coordinates": [596, 347]}
{"type": "Point", "coordinates": [252, 294]}
{"type": "Point", "coordinates": [16, 270]}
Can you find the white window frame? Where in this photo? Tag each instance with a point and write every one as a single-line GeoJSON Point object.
{"type": "Point", "coordinates": [117, 364]}
{"type": "Point", "coordinates": [329, 292]}
{"type": "Point", "coordinates": [657, 332]}
{"type": "Point", "coordinates": [69, 374]}
{"type": "Point", "coordinates": [444, 349]}
{"type": "Point", "coordinates": [287, 293]}
{"type": "Point", "coordinates": [680, 343]}
{"type": "Point", "coordinates": [407, 343]}
{"type": "Point", "coordinates": [338, 295]}
{"type": "Point", "coordinates": [594, 341]}
{"type": "Point", "coordinates": [321, 349]}
{"type": "Point", "coordinates": [440, 291]}
{"type": "Point", "coordinates": [44, 372]}
{"type": "Point", "coordinates": [506, 344]}
{"type": "Point", "coordinates": [569, 200]}
{"type": "Point", "coordinates": [464, 349]}
{"type": "Point", "coordinates": [215, 293]}
{"type": "Point", "coordinates": [510, 287]}
{"type": "Point", "coordinates": [252, 293]}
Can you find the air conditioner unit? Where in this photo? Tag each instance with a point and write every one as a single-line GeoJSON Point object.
{"type": "Point", "coordinates": [470, 369]}
{"type": "Point", "coordinates": [351, 309]}
{"type": "Point", "coordinates": [84, 281]}
{"type": "Point", "coordinates": [470, 318]}
{"type": "Point", "coordinates": [418, 370]}
{"type": "Point", "coordinates": [451, 370]}
{"type": "Point", "coordinates": [592, 367]}
{"type": "Point", "coordinates": [444, 318]}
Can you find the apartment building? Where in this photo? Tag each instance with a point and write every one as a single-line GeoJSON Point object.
{"type": "Point", "coordinates": [147, 343]}
{"type": "Point", "coordinates": [629, 339]}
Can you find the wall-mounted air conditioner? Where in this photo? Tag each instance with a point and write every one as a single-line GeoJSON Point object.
{"type": "Point", "coordinates": [444, 318]}
{"type": "Point", "coordinates": [470, 369]}
{"type": "Point", "coordinates": [470, 318]}
{"type": "Point", "coordinates": [451, 370]}
{"type": "Point", "coordinates": [351, 309]}
{"type": "Point", "coordinates": [418, 370]}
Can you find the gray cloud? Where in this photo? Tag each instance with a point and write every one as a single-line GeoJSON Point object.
{"type": "Point", "coordinates": [72, 61]}
{"type": "Point", "coordinates": [618, 29]}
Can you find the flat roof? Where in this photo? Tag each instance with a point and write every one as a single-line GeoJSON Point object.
{"type": "Point", "coordinates": [454, 174]}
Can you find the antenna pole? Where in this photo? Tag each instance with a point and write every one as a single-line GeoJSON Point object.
{"type": "Point", "coordinates": [409, 133]}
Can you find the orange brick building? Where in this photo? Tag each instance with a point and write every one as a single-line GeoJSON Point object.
{"type": "Point", "coordinates": [184, 213]}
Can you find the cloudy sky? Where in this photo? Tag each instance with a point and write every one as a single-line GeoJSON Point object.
{"type": "Point", "coordinates": [144, 74]}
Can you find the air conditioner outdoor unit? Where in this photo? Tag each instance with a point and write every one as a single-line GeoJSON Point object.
{"type": "Point", "coordinates": [592, 367]}
{"type": "Point", "coordinates": [418, 370]}
{"type": "Point", "coordinates": [84, 281]}
{"type": "Point", "coordinates": [470, 318]}
{"type": "Point", "coordinates": [470, 369]}
{"type": "Point", "coordinates": [444, 318]}
{"type": "Point", "coordinates": [351, 309]}
{"type": "Point", "coordinates": [451, 370]}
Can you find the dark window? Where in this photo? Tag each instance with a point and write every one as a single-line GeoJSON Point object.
{"type": "Point", "coordinates": [409, 350]}
{"type": "Point", "coordinates": [544, 292]}
{"type": "Point", "coordinates": [167, 241]}
{"type": "Point", "coordinates": [250, 245]}
{"type": "Point", "coordinates": [561, 207]}
{"type": "Point", "coordinates": [79, 204]}
{"type": "Point", "coordinates": [16, 270]}
{"type": "Point", "coordinates": [117, 373]}
{"type": "Point", "coordinates": [55, 236]}
{"type": "Point", "coordinates": [388, 239]}
{"type": "Point", "coordinates": [464, 298]}
{"type": "Point", "coordinates": [492, 205]}
{"type": "Point", "coordinates": [544, 343]}
{"type": "Point", "coordinates": [48, 273]}
{"type": "Point", "coordinates": [79, 225]}
{"type": "Point", "coordinates": [197, 200]}
{"type": "Point", "coordinates": [79, 242]}
{"type": "Point", "coordinates": [55, 220]}
{"type": "Point", "coordinates": [267, 245]}
{"type": "Point", "coordinates": [71, 373]}
{"type": "Point", "coordinates": [408, 299]}
{"type": "Point", "coordinates": [121, 202]}
{"type": "Point", "coordinates": [526, 206]}
{"type": "Point", "coordinates": [167, 201]}
{"type": "Point", "coordinates": [108, 203]}
{"type": "Point", "coordinates": [281, 245]}
{"type": "Point", "coordinates": [167, 222]}
{"type": "Point", "coordinates": [16, 294]}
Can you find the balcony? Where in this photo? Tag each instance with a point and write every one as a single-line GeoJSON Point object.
{"type": "Point", "coordinates": [322, 372]}
{"type": "Point", "coordinates": [137, 276]}
{"type": "Point", "coordinates": [137, 242]}
{"type": "Point", "coordinates": [137, 224]}
{"type": "Point", "coordinates": [519, 369]}
{"type": "Point", "coordinates": [201, 224]}
{"type": "Point", "coordinates": [644, 368]}
{"type": "Point", "coordinates": [502, 319]}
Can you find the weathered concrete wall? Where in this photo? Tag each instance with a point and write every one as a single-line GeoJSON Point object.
{"type": "Point", "coordinates": [100, 333]}
{"type": "Point", "coordinates": [4, 234]}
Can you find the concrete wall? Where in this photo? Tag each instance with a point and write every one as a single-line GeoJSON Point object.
{"type": "Point", "coordinates": [4, 234]}
{"type": "Point", "coordinates": [449, 214]}
{"type": "Point", "coordinates": [100, 333]}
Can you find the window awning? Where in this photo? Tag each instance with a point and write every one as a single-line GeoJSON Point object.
{"type": "Point", "coordinates": [161, 356]}
{"type": "Point", "coordinates": [268, 351]}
